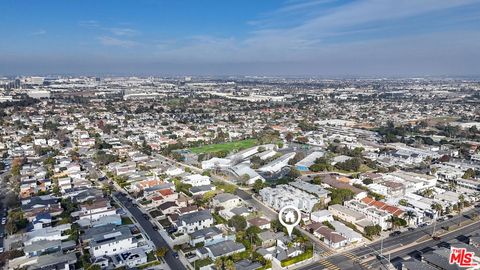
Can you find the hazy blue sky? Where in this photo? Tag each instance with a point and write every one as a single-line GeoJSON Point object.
{"type": "Point", "coordinates": [256, 37]}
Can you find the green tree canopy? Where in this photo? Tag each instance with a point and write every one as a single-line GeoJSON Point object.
{"type": "Point", "coordinates": [238, 222]}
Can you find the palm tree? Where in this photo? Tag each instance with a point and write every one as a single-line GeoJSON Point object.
{"type": "Point", "coordinates": [428, 193]}
{"type": "Point", "coordinates": [161, 252]}
{"type": "Point", "coordinates": [452, 186]}
{"type": "Point", "coordinates": [436, 207]}
{"type": "Point", "coordinates": [461, 198]}
{"type": "Point", "coordinates": [409, 215]}
{"type": "Point", "coordinates": [392, 220]}
{"type": "Point", "coordinates": [229, 265]}
{"type": "Point", "coordinates": [218, 263]}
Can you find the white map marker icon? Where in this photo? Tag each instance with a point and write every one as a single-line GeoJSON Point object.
{"type": "Point", "coordinates": [289, 216]}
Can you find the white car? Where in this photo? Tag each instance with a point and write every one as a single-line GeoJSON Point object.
{"type": "Point", "coordinates": [1, 249]}
{"type": "Point", "coordinates": [4, 220]}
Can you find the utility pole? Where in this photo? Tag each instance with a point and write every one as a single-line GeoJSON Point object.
{"type": "Point", "coordinates": [380, 254]}
{"type": "Point", "coordinates": [381, 247]}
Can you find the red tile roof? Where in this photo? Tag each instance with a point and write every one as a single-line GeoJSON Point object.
{"type": "Point", "coordinates": [383, 206]}
{"type": "Point", "coordinates": [157, 198]}
{"type": "Point", "coordinates": [166, 192]}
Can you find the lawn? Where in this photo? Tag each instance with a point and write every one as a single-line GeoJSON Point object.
{"type": "Point", "coordinates": [226, 187]}
{"type": "Point", "coordinates": [219, 219]}
{"type": "Point", "coordinates": [229, 146]}
{"type": "Point", "coordinates": [304, 256]}
{"type": "Point", "coordinates": [201, 263]}
{"type": "Point", "coordinates": [363, 169]}
{"type": "Point", "coordinates": [126, 220]}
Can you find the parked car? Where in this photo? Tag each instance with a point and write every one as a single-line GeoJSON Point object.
{"type": "Point", "coordinates": [4, 220]}
{"type": "Point", "coordinates": [171, 229]}
{"type": "Point", "coordinates": [395, 233]}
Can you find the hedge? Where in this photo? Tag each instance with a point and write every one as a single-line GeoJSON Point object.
{"type": "Point", "coordinates": [304, 256]}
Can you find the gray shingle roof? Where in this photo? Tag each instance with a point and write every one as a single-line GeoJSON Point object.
{"type": "Point", "coordinates": [194, 217]}
{"type": "Point", "coordinates": [225, 247]}
{"type": "Point", "coordinates": [207, 232]}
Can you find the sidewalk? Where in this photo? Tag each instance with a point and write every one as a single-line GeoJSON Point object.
{"type": "Point", "coordinates": [420, 241]}
{"type": "Point", "coordinates": [310, 236]}
{"type": "Point", "coordinates": [150, 243]}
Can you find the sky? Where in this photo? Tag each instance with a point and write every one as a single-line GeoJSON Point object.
{"type": "Point", "coordinates": [241, 37]}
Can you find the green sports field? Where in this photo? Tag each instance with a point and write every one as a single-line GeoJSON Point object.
{"type": "Point", "coordinates": [230, 146]}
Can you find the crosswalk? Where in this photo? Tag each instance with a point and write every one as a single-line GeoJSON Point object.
{"type": "Point", "coordinates": [347, 254]}
{"type": "Point", "coordinates": [355, 259]}
{"type": "Point", "coordinates": [329, 265]}
{"type": "Point", "coordinates": [327, 253]}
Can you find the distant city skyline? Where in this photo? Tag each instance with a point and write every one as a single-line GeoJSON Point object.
{"type": "Point", "coordinates": [291, 37]}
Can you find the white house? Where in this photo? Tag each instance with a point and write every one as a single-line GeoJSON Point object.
{"type": "Point", "coordinates": [351, 235]}
{"type": "Point", "coordinates": [130, 258]}
{"type": "Point", "coordinates": [95, 210]}
{"type": "Point", "coordinates": [226, 200]}
{"type": "Point", "coordinates": [321, 216]}
{"type": "Point", "coordinates": [111, 243]}
{"type": "Point", "coordinates": [330, 237]}
{"type": "Point", "coordinates": [208, 236]}
{"type": "Point", "coordinates": [174, 171]}
{"type": "Point", "coordinates": [195, 221]}
{"type": "Point", "coordinates": [196, 180]}
{"type": "Point", "coordinates": [225, 248]}
{"type": "Point", "coordinates": [47, 233]}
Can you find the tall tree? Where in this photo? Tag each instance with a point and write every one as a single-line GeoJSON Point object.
{"type": "Point", "coordinates": [409, 215]}
{"type": "Point", "coordinates": [461, 202]}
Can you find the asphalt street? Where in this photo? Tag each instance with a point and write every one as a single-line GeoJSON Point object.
{"type": "Point", "coordinates": [3, 212]}
{"type": "Point", "coordinates": [247, 197]}
{"type": "Point", "coordinates": [351, 259]}
{"type": "Point", "coordinates": [269, 213]}
{"type": "Point", "coordinates": [396, 257]}
{"type": "Point", "coordinates": [154, 236]}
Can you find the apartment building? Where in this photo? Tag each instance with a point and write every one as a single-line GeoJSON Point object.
{"type": "Point", "coordinates": [284, 195]}
{"type": "Point", "coordinates": [378, 217]}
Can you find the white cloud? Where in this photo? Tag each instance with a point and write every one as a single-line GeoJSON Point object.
{"type": "Point", "coordinates": [116, 42]}
{"type": "Point", "coordinates": [315, 36]}
{"type": "Point", "coordinates": [123, 31]}
{"type": "Point", "coordinates": [89, 23]}
{"type": "Point", "coordinates": [39, 32]}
